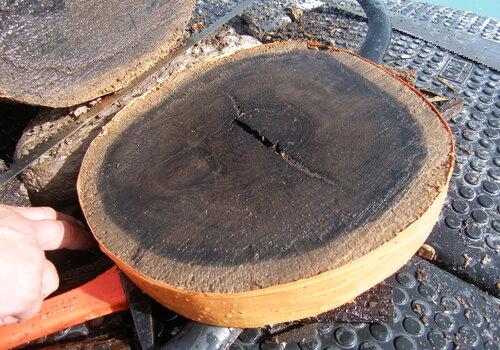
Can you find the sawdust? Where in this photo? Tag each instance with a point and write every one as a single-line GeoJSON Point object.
{"type": "Point", "coordinates": [420, 274]}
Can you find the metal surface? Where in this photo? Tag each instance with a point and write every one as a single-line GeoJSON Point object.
{"type": "Point", "coordinates": [114, 100]}
{"type": "Point", "coordinates": [195, 336]}
{"type": "Point", "coordinates": [473, 47]}
{"type": "Point", "coordinates": [140, 308]}
{"type": "Point", "coordinates": [460, 20]}
{"type": "Point", "coordinates": [379, 33]}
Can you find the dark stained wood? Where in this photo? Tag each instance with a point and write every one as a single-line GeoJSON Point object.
{"type": "Point", "coordinates": [61, 53]}
{"type": "Point", "coordinates": [263, 156]}
{"type": "Point", "coordinates": [263, 168]}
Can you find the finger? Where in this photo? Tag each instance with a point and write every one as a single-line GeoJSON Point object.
{"type": "Point", "coordinates": [42, 213]}
{"type": "Point", "coordinates": [34, 213]}
{"type": "Point", "coordinates": [14, 221]}
{"type": "Point", "coordinates": [56, 234]}
{"type": "Point", "coordinates": [31, 312]}
{"type": "Point", "coordinates": [50, 279]}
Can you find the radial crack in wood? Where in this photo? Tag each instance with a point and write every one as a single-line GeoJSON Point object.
{"type": "Point", "coordinates": [276, 147]}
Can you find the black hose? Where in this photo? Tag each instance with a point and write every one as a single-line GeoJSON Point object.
{"type": "Point", "coordinates": [379, 30]}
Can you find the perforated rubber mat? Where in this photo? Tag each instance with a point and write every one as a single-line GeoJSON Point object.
{"type": "Point", "coordinates": [433, 310]}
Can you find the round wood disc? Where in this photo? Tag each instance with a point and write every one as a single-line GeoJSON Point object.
{"type": "Point", "coordinates": [61, 53]}
{"type": "Point", "coordinates": [267, 186]}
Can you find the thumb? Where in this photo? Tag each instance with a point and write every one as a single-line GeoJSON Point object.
{"type": "Point", "coordinates": [57, 234]}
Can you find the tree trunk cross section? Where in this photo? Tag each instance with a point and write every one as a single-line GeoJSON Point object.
{"type": "Point", "coordinates": [60, 53]}
{"type": "Point", "coordinates": [276, 165]}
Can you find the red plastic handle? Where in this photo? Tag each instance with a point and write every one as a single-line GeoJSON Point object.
{"type": "Point", "coordinates": [102, 296]}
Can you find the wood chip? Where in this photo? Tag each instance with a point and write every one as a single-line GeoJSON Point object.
{"type": "Point", "coordinates": [294, 13]}
{"type": "Point", "coordinates": [408, 75]}
{"type": "Point", "coordinates": [198, 26]}
{"type": "Point", "coordinates": [427, 252]}
{"type": "Point", "coordinates": [436, 99]}
{"type": "Point", "coordinates": [451, 108]}
{"type": "Point", "coordinates": [447, 85]}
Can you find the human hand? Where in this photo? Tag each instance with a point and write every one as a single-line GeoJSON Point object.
{"type": "Point", "coordinates": [26, 276]}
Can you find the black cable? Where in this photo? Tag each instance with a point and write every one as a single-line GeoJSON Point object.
{"type": "Point", "coordinates": [379, 34]}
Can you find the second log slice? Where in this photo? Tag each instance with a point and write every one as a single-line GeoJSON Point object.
{"type": "Point", "coordinates": [60, 53]}
{"type": "Point", "coordinates": [267, 186]}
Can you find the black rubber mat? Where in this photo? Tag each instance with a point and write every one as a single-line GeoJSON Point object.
{"type": "Point", "coordinates": [466, 238]}
{"type": "Point", "coordinates": [434, 310]}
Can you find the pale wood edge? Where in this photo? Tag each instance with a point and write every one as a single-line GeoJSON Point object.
{"type": "Point", "coordinates": [296, 300]}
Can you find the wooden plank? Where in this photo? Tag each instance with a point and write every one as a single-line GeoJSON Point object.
{"type": "Point", "coordinates": [269, 174]}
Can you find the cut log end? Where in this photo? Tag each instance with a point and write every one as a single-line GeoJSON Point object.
{"type": "Point", "coordinates": [63, 53]}
{"type": "Point", "coordinates": [268, 186]}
